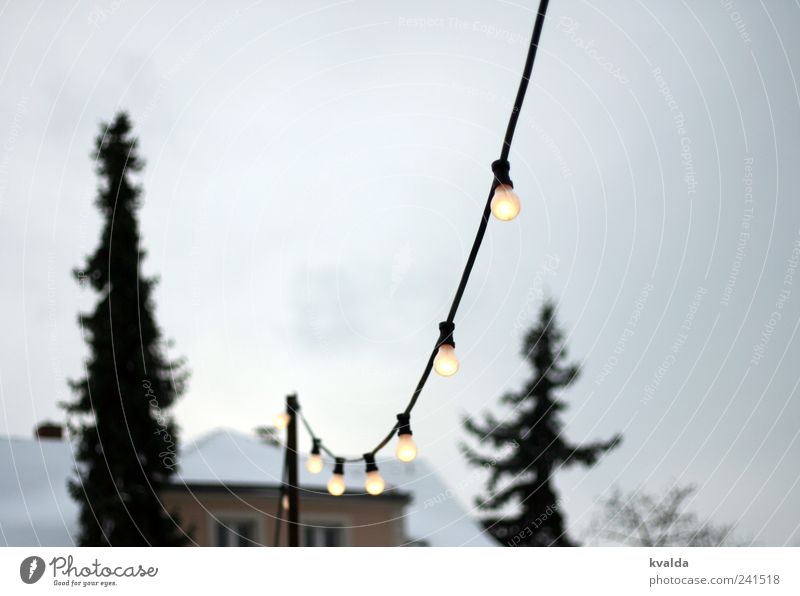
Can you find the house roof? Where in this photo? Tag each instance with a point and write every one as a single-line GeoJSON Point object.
{"type": "Point", "coordinates": [37, 509]}
{"type": "Point", "coordinates": [35, 506]}
{"type": "Point", "coordinates": [233, 458]}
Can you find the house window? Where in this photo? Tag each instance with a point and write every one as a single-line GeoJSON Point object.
{"type": "Point", "coordinates": [323, 534]}
{"type": "Point", "coordinates": [235, 532]}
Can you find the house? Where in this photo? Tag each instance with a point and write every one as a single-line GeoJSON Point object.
{"type": "Point", "coordinates": [226, 493]}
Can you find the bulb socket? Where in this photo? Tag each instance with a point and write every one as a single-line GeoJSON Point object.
{"type": "Point", "coordinates": [404, 424]}
{"type": "Point", "coordinates": [501, 169]}
{"type": "Point", "coordinates": [371, 465]}
{"type": "Point", "coordinates": [446, 329]}
{"type": "Point", "coordinates": [338, 466]}
{"type": "Point", "coordinates": [315, 446]}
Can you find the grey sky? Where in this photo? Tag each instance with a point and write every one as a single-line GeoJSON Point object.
{"type": "Point", "coordinates": [315, 174]}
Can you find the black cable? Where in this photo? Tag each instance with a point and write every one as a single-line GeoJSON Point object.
{"type": "Point", "coordinates": [512, 125]}
{"type": "Point", "coordinates": [473, 254]}
{"type": "Point", "coordinates": [476, 245]}
{"type": "Point", "coordinates": [526, 76]}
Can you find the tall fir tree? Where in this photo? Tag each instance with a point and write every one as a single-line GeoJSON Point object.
{"type": "Point", "coordinates": [530, 446]}
{"type": "Point", "coordinates": [126, 441]}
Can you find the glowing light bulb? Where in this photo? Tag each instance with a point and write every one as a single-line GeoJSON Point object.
{"type": "Point", "coordinates": [285, 502]}
{"type": "Point", "coordinates": [505, 203]}
{"type": "Point", "coordinates": [314, 463]}
{"type": "Point", "coordinates": [336, 485]}
{"type": "Point", "coordinates": [281, 421]}
{"type": "Point", "coordinates": [446, 362]}
{"type": "Point", "coordinates": [406, 448]}
{"type": "Point", "coordinates": [374, 483]}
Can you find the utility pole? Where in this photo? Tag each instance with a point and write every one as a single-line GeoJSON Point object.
{"type": "Point", "coordinates": [292, 490]}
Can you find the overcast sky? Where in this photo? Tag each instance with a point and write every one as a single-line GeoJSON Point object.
{"type": "Point", "coordinates": [315, 175]}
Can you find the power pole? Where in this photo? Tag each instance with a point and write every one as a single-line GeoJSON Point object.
{"type": "Point", "coordinates": [293, 490]}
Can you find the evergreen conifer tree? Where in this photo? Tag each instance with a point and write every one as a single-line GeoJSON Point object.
{"type": "Point", "coordinates": [530, 446]}
{"type": "Point", "coordinates": [125, 440]}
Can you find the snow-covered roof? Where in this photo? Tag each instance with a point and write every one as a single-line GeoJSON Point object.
{"type": "Point", "coordinates": [37, 509]}
{"type": "Point", "coordinates": [35, 506]}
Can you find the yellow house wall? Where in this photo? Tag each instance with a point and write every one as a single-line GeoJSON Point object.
{"type": "Point", "coordinates": [368, 521]}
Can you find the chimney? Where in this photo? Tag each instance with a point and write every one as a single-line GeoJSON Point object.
{"type": "Point", "coordinates": [49, 430]}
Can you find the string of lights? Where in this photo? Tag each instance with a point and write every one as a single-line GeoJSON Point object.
{"type": "Point", "coordinates": [504, 204]}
